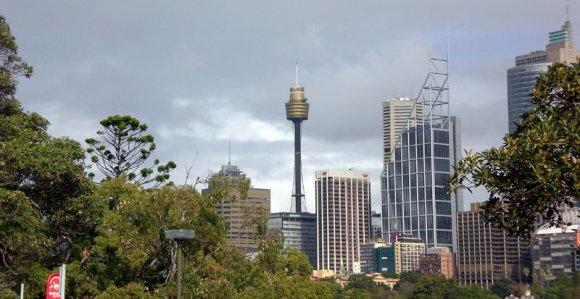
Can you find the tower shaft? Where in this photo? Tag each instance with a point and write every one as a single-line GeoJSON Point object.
{"type": "Point", "coordinates": [297, 168]}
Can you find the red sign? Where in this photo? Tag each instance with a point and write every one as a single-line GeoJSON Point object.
{"type": "Point", "coordinates": [53, 286]}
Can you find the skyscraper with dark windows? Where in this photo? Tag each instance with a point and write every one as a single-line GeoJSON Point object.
{"type": "Point", "coordinates": [414, 183]}
{"type": "Point", "coordinates": [523, 76]}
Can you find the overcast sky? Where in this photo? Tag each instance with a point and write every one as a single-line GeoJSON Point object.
{"type": "Point", "coordinates": [200, 73]}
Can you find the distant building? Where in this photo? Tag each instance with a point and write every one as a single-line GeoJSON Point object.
{"type": "Point", "coordinates": [438, 260]}
{"type": "Point", "coordinates": [522, 77]}
{"type": "Point", "coordinates": [557, 249]}
{"type": "Point", "coordinates": [415, 179]}
{"type": "Point", "coordinates": [408, 250]}
{"type": "Point", "coordinates": [240, 215]}
{"type": "Point", "coordinates": [398, 114]}
{"type": "Point", "coordinates": [299, 231]}
{"type": "Point", "coordinates": [378, 257]}
{"type": "Point", "coordinates": [415, 185]}
{"type": "Point", "coordinates": [343, 213]}
{"type": "Point", "coordinates": [376, 225]}
{"type": "Point", "coordinates": [485, 253]}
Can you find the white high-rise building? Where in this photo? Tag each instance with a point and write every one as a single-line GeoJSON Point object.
{"type": "Point", "coordinates": [398, 114]}
{"type": "Point", "coordinates": [343, 218]}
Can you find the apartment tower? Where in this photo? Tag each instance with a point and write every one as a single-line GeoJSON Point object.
{"type": "Point", "coordinates": [343, 218]}
{"type": "Point", "coordinates": [485, 253]}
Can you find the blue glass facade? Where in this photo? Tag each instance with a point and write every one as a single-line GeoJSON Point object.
{"type": "Point", "coordinates": [520, 80]}
{"type": "Point", "coordinates": [416, 196]}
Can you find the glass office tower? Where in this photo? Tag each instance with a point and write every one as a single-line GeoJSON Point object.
{"type": "Point", "coordinates": [414, 184]}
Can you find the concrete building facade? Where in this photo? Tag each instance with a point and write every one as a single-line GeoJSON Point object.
{"type": "Point", "coordinates": [485, 253]}
{"type": "Point", "coordinates": [408, 253]}
{"type": "Point", "coordinates": [438, 260]}
{"type": "Point", "coordinates": [398, 114]}
{"type": "Point", "coordinates": [556, 250]}
{"type": "Point", "coordinates": [240, 214]}
{"type": "Point", "coordinates": [343, 217]}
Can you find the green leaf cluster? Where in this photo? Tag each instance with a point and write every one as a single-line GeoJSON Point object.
{"type": "Point", "coordinates": [123, 147]}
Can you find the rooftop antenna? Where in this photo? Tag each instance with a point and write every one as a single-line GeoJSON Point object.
{"type": "Point", "coordinates": [296, 72]}
{"type": "Point", "coordinates": [229, 152]}
{"type": "Point", "coordinates": [568, 10]}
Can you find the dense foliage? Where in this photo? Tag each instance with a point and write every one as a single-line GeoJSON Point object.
{"type": "Point", "coordinates": [535, 172]}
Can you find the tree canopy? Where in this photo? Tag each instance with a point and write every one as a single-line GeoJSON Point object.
{"type": "Point", "coordinates": [535, 172]}
{"type": "Point", "coordinates": [123, 148]}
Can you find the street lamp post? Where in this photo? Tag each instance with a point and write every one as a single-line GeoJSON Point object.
{"type": "Point", "coordinates": [179, 235]}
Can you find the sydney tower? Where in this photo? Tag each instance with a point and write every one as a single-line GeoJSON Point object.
{"type": "Point", "coordinates": [297, 111]}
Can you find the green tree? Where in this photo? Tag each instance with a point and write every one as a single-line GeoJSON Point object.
{"type": "Point", "coordinates": [504, 287]}
{"type": "Point", "coordinates": [433, 286]}
{"type": "Point", "coordinates": [12, 65]}
{"type": "Point", "coordinates": [289, 287]}
{"type": "Point", "coordinates": [361, 282]}
{"type": "Point", "coordinates": [535, 172]}
{"type": "Point", "coordinates": [46, 213]}
{"type": "Point", "coordinates": [471, 292]}
{"type": "Point", "coordinates": [122, 150]}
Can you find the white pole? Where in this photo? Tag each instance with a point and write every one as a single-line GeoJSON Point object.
{"type": "Point", "coordinates": [21, 291]}
{"type": "Point", "coordinates": [62, 281]}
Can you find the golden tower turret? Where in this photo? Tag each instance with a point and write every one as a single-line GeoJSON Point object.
{"type": "Point", "coordinates": [297, 106]}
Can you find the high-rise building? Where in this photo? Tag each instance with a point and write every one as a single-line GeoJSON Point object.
{"type": "Point", "coordinates": [299, 231]}
{"type": "Point", "coordinates": [398, 114]}
{"type": "Point", "coordinates": [438, 260]}
{"type": "Point", "coordinates": [414, 183]}
{"type": "Point", "coordinates": [343, 212]}
{"type": "Point", "coordinates": [485, 253]}
{"type": "Point", "coordinates": [522, 77]}
{"type": "Point", "coordinates": [556, 250]}
{"type": "Point", "coordinates": [409, 251]}
{"type": "Point", "coordinates": [241, 214]}
{"type": "Point", "coordinates": [298, 226]}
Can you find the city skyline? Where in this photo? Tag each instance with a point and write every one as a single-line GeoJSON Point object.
{"type": "Point", "coordinates": [199, 81]}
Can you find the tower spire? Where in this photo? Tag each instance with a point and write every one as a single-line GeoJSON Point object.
{"type": "Point", "coordinates": [297, 73]}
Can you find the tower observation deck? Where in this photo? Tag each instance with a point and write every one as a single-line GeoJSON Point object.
{"type": "Point", "coordinates": [297, 111]}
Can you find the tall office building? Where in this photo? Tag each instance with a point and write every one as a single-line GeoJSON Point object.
{"type": "Point", "coordinates": [522, 77]}
{"type": "Point", "coordinates": [240, 214]}
{"type": "Point", "coordinates": [485, 253]}
{"type": "Point", "coordinates": [343, 212]}
{"type": "Point", "coordinates": [414, 183]}
{"type": "Point", "coordinates": [398, 114]}
{"type": "Point", "coordinates": [298, 226]}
